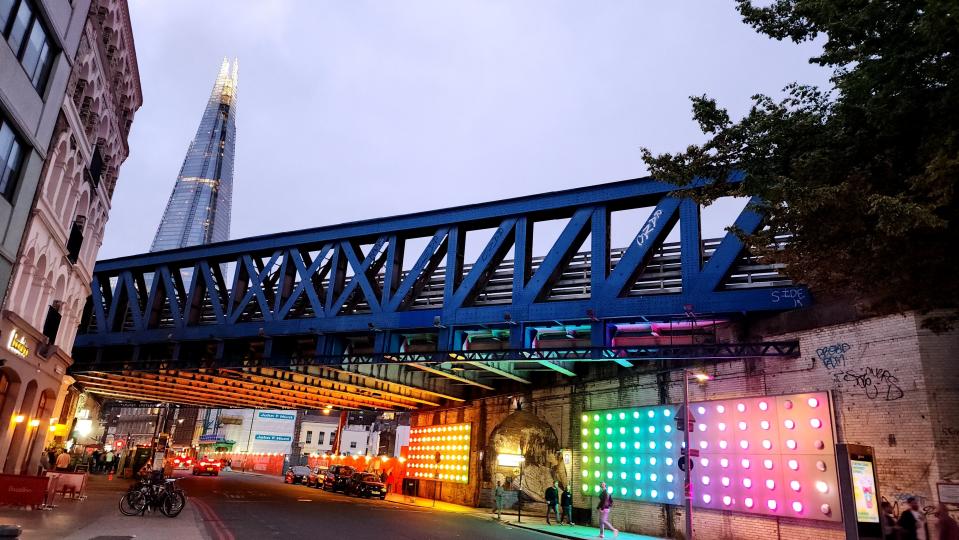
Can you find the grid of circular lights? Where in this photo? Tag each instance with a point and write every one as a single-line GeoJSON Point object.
{"type": "Point", "coordinates": [633, 452]}
{"type": "Point", "coordinates": [452, 443]}
{"type": "Point", "coordinates": [770, 455]}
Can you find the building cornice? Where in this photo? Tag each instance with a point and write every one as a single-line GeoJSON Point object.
{"type": "Point", "coordinates": [135, 66]}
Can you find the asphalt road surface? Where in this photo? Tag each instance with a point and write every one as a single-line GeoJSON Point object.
{"type": "Point", "coordinates": [241, 507]}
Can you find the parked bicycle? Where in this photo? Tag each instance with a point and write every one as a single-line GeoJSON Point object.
{"type": "Point", "coordinates": [167, 497]}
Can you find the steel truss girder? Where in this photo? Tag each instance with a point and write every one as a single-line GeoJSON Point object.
{"type": "Point", "coordinates": [275, 273]}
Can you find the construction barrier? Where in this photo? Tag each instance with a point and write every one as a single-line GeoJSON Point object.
{"type": "Point", "coordinates": [23, 490]}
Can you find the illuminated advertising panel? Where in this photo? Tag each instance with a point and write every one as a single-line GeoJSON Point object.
{"type": "Point", "coordinates": [864, 491]}
{"type": "Point", "coordinates": [440, 452]}
{"type": "Point", "coordinates": [770, 455]}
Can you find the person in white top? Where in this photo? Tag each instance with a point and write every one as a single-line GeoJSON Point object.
{"type": "Point", "coordinates": [63, 461]}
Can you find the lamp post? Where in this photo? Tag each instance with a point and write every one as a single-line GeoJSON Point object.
{"type": "Point", "coordinates": [687, 426]}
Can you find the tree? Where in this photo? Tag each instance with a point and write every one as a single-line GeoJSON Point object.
{"type": "Point", "coordinates": [864, 174]}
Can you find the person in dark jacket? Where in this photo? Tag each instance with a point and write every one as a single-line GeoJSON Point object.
{"type": "Point", "coordinates": [912, 522]}
{"type": "Point", "coordinates": [566, 503]}
{"type": "Point", "coordinates": [948, 528]}
{"type": "Point", "coordinates": [605, 505]}
{"type": "Point", "coordinates": [552, 502]}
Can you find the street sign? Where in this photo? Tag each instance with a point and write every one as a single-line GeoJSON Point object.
{"type": "Point", "coordinates": [682, 464]}
{"type": "Point", "coordinates": [681, 423]}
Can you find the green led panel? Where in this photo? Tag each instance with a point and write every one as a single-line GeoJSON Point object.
{"type": "Point", "coordinates": [634, 452]}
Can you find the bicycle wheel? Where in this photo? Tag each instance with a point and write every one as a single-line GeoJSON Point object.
{"type": "Point", "coordinates": [172, 504]}
{"type": "Point", "coordinates": [132, 503]}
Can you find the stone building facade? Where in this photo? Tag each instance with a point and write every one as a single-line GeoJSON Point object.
{"type": "Point", "coordinates": [52, 276]}
{"type": "Point", "coordinates": [892, 387]}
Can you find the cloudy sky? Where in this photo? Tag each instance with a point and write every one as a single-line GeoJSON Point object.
{"type": "Point", "coordinates": [356, 109]}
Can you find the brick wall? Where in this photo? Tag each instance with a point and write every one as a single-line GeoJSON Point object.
{"type": "Point", "coordinates": [892, 385]}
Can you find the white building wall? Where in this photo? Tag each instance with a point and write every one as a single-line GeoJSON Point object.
{"type": "Point", "coordinates": [317, 437]}
{"type": "Point", "coordinates": [355, 440]}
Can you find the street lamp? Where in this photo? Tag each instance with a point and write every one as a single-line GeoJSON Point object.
{"type": "Point", "coordinates": [686, 423]}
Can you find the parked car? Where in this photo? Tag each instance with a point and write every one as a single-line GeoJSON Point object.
{"type": "Point", "coordinates": [366, 485]}
{"type": "Point", "coordinates": [337, 478]}
{"type": "Point", "coordinates": [315, 479]}
{"type": "Point", "coordinates": [206, 466]}
{"type": "Point", "coordinates": [297, 474]}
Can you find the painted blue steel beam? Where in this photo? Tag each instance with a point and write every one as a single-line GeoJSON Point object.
{"type": "Point", "coordinates": [349, 291]}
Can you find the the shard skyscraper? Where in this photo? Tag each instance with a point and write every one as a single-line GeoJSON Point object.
{"type": "Point", "coordinates": [198, 211]}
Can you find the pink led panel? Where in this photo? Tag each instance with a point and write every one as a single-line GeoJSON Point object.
{"type": "Point", "coordinates": [779, 456]}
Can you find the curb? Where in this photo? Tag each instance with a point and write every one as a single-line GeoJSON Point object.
{"type": "Point", "coordinates": [252, 473]}
{"type": "Point", "coordinates": [550, 532]}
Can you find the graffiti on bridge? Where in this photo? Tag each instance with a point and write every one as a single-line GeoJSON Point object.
{"type": "Point", "coordinates": [796, 296]}
{"type": "Point", "coordinates": [648, 228]}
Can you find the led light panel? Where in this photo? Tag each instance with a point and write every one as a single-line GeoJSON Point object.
{"type": "Point", "coordinates": [452, 442]}
{"type": "Point", "coordinates": [772, 455]}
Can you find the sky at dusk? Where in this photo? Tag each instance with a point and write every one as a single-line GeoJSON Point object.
{"type": "Point", "coordinates": [359, 109]}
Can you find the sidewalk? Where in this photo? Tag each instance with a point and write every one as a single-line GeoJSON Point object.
{"type": "Point", "coordinates": [422, 502]}
{"type": "Point", "coordinates": [99, 516]}
{"type": "Point", "coordinates": [533, 522]}
{"type": "Point", "coordinates": [566, 531]}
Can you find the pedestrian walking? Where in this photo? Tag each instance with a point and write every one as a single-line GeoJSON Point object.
{"type": "Point", "coordinates": [552, 501]}
{"type": "Point", "coordinates": [389, 482]}
{"type": "Point", "coordinates": [948, 528]}
{"type": "Point", "coordinates": [111, 462]}
{"type": "Point", "coordinates": [498, 494]}
{"type": "Point", "coordinates": [95, 461]}
{"type": "Point", "coordinates": [912, 522]}
{"type": "Point", "coordinates": [566, 503]}
{"type": "Point", "coordinates": [605, 505]}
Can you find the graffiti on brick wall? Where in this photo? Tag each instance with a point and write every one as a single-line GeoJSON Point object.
{"type": "Point", "coordinates": [876, 382]}
{"type": "Point", "coordinates": [833, 356]}
{"type": "Point", "coordinates": [900, 503]}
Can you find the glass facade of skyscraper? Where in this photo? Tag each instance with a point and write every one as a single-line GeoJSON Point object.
{"type": "Point", "coordinates": [198, 211]}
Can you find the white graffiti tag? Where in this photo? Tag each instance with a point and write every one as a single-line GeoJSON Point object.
{"type": "Point", "coordinates": [648, 228]}
{"type": "Point", "coordinates": [795, 295]}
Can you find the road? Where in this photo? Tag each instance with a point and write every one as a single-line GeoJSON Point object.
{"type": "Point", "coordinates": [239, 506]}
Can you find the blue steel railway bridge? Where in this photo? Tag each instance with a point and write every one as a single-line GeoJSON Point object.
{"type": "Point", "coordinates": [390, 314]}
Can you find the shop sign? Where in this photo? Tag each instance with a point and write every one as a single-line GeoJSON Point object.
{"type": "Point", "coordinates": [282, 438]}
{"type": "Point", "coordinates": [18, 344]}
{"type": "Point", "coordinates": [277, 416]}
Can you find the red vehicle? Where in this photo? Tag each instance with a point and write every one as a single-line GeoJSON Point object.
{"type": "Point", "coordinates": [207, 466]}
{"type": "Point", "coordinates": [182, 462]}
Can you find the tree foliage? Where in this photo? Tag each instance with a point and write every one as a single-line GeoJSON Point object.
{"type": "Point", "coordinates": [864, 173]}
